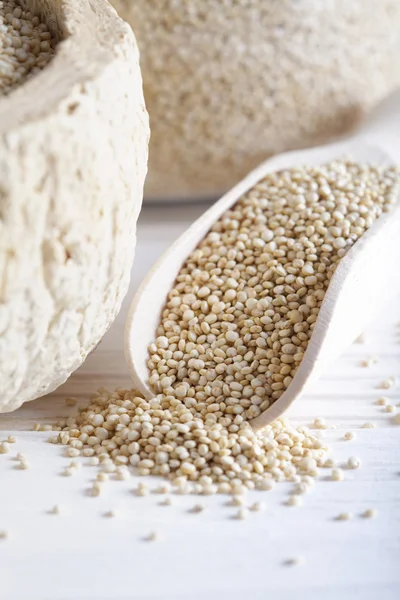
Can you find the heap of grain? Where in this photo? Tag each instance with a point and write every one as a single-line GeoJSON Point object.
{"type": "Point", "coordinates": [233, 333]}
{"type": "Point", "coordinates": [228, 84]}
{"type": "Point", "coordinates": [26, 45]}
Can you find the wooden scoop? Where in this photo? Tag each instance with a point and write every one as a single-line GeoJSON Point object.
{"type": "Point", "coordinates": [365, 277]}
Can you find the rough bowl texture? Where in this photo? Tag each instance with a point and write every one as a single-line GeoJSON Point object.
{"type": "Point", "coordinates": [230, 82]}
{"type": "Point", "coordinates": [73, 158]}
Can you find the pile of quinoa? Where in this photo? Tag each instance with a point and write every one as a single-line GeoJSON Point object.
{"type": "Point", "coordinates": [26, 45]}
{"type": "Point", "coordinates": [233, 332]}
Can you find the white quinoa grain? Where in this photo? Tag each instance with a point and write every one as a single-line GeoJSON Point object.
{"type": "Point", "coordinates": [11, 439]}
{"type": "Point", "coordinates": [369, 362]}
{"type": "Point", "coordinates": [349, 435]}
{"type": "Point", "coordinates": [337, 475]}
{"type": "Point", "coordinates": [5, 447]}
{"type": "Point", "coordinates": [382, 401]}
{"type": "Point", "coordinates": [166, 501]}
{"type": "Point", "coordinates": [241, 514]}
{"type": "Point", "coordinates": [294, 500]}
{"type": "Point", "coordinates": [370, 513]}
{"type": "Point", "coordinates": [4, 534]}
{"type": "Point", "coordinates": [345, 516]}
{"type": "Point", "coordinates": [388, 383]}
{"type": "Point", "coordinates": [353, 462]}
{"type": "Point", "coordinates": [198, 508]}
{"type": "Point", "coordinates": [69, 471]}
{"type": "Point", "coordinates": [257, 506]}
{"type": "Point", "coordinates": [390, 408]}
{"type": "Point", "coordinates": [368, 425]}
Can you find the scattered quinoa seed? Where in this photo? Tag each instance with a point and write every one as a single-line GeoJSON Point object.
{"type": "Point", "coordinates": [353, 462]}
{"type": "Point", "coordinates": [166, 501]}
{"type": "Point", "coordinates": [198, 508]}
{"type": "Point", "coordinates": [369, 362]}
{"type": "Point", "coordinates": [337, 475]}
{"type": "Point", "coordinates": [349, 435]}
{"type": "Point", "coordinates": [370, 513]}
{"type": "Point", "coordinates": [345, 516]}
{"type": "Point", "coordinates": [241, 514]}
{"type": "Point", "coordinates": [11, 439]}
{"type": "Point", "coordinates": [4, 447]}
{"type": "Point", "coordinates": [382, 401]}
{"type": "Point", "coordinates": [294, 500]}
{"type": "Point", "coordinates": [256, 506]}
{"type": "Point", "coordinates": [388, 383]}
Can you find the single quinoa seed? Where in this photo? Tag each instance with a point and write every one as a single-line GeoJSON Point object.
{"type": "Point", "coordinates": [353, 462]}
{"type": "Point", "coordinates": [5, 447]}
{"type": "Point", "coordinates": [337, 475]}
{"type": "Point", "coordinates": [345, 516]}
{"type": "Point", "coordinates": [294, 500]}
{"type": "Point", "coordinates": [370, 513]}
{"type": "Point", "coordinates": [368, 425]}
{"type": "Point", "coordinates": [369, 362]}
{"type": "Point", "coordinates": [198, 508]}
{"type": "Point", "coordinates": [166, 502]}
{"type": "Point", "coordinates": [242, 514]}
{"type": "Point", "coordinates": [388, 383]}
{"type": "Point", "coordinates": [26, 45]}
{"type": "Point", "coordinates": [382, 401]}
{"type": "Point", "coordinates": [257, 506]}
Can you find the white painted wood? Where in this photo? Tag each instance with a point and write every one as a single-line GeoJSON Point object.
{"type": "Point", "coordinates": [355, 291]}
{"type": "Point", "coordinates": [81, 555]}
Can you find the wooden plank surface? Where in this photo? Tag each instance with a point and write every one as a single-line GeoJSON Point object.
{"type": "Point", "coordinates": [82, 555]}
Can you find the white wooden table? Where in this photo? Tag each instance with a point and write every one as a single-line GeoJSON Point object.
{"type": "Point", "coordinates": [82, 555]}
